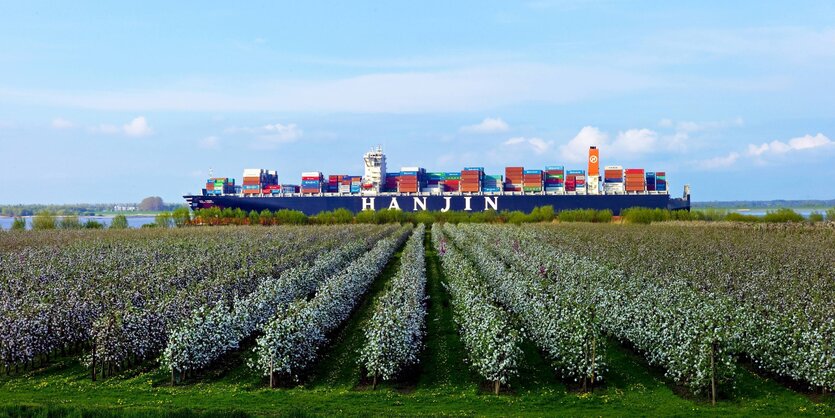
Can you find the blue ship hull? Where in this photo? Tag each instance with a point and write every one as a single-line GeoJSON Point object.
{"type": "Point", "coordinates": [312, 205]}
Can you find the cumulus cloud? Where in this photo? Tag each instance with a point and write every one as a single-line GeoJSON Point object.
{"type": "Point", "coordinates": [137, 127]}
{"type": "Point", "coordinates": [577, 149]}
{"type": "Point", "coordinates": [210, 142]}
{"type": "Point", "coordinates": [61, 123]}
{"type": "Point", "coordinates": [537, 145]}
{"type": "Point", "coordinates": [635, 141]}
{"type": "Point", "coordinates": [795, 144]}
{"type": "Point", "coordinates": [487, 126]}
{"type": "Point", "coordinates": [272, 135]}
{"type": "Point", "coordinates": [690, 126]}
{"type": "Point", "coordinates": [719, 162]}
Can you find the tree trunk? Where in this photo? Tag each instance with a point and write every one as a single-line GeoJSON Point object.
{"type": "Point", "coordinates": [173, 377]}
{"type": "Point", "coordinates": [374, 382]}
{"type": "Point", "coordinates": [94, 362]}
{"type": "Point", "coordinates": [713, 374]}
{"type": "Point", "coordinates": [593, 358]}
{"type": "Point", "coordinates": [496, 386]}
{"type": "Point", "coordinates": [272, 373]}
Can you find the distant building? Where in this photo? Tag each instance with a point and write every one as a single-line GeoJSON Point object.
{"type": "Point", "coordinates": [118, 208]}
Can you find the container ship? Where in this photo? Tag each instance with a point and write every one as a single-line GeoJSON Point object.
{"type": "Point", "coordinates": [471, 189]}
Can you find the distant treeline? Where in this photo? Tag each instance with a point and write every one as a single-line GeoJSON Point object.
{"type": "Point", "coordinates": [86, 209]}
{"type": "Point", "coordinates": [766, 204]}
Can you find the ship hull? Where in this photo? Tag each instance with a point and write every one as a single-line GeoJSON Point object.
{"type": "Point", "coordinates": [312, 205]}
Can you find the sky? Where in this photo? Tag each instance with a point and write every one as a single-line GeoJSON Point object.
{"type": "Point", "coordinates": [116, 101]}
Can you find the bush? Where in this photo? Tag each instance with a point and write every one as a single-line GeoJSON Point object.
{"type": "Point", "coordinates": [119, 222]}
{"type": "Point", "coordinates": [92, 224]}
{"type": "Point", "coordinates": [815, 217]}
{"type": "Point", "coordinates": [164, 220]}
{"type": "Point", "coordinates": [830, 214]}
{"type": "Point", "coordinates": [585, 215]}
{"type": "Point", "coordinates": [738, 217]}
{"type": "Point", "coordinates": [19, 224]}
{"type": "Point", "coordinates": [69, 222]}
{"type": "Point", "coordinates": [43, 220]}
{"type": "Point", "coordinates": [181, 216]}
{"type": "Point", "coordinates": [783, 215]}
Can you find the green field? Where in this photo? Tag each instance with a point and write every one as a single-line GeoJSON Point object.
{"type": "Point", "coordinates": [442, 384]}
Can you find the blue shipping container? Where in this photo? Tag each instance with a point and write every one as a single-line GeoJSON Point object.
{"type": "Point", "coordinates": [533, 171]}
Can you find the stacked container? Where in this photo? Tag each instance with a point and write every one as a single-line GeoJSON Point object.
{"type": "Point", "coordinates": [451, 181]}
{"type": "Point", "coordinates": [217, 186]}
{"type": "Point", "coordinates": [532, 181]}
{"type": "Point", "coordinates": [660, 181]}
{"type": "Point", "coordinates": [391, 182]}
{"type": "Point", "coordinates": [334, 181]}
{"type": "Point", "coordinates": [289, 188]}
{"type": "Point", "coordinates": [613, 179]}
{"type": "Point", "coordinates": [635, 180]}
{"type": "Point", "coordinates": [554, 178]}
{"type": "Point", "coordinates": [650, 181]}
{"type": "Point", "coordinates": [256, 179]}
{"type": "Point", "coordinates": [410, 180]}
{"type": "Point", "coordinates": [492, 184]}
{"type": "Point", "coordinates": [471, 179]}
{"type": "Point", "coordinates": [575, 181]}
{"type": "Point", "coordinates": [514, 178]}
{"type": "Point", "coordinates": [312, 182]}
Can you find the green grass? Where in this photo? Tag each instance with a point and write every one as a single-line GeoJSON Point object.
{"type": "Point", "coordinates": [441, 384]}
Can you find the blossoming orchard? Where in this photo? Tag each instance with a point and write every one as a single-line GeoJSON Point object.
{"type": "Point", "coordinates": [420, 312]}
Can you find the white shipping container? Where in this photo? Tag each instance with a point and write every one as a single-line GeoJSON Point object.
{"type": "Point", "coordinates": [409, 168]}
{"type": "Point", "coordinates": [311, 174]}
{"type": "Point", "coordinates": [253, 172]}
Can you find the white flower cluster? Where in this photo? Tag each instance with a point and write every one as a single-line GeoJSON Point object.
{"type": "Point", "coordinates": [486, 329]}
{"type": "Point", "coordinates": [779, 278]}
{"type": "Point", "coordinates": [677, 328]}
{"type": "Point", "coordinates": [394, 334]}
{"type": "Point", "coordinates": [558, 315]}
{"type": "Point", "coordinates": [211, 332]}
{"type": "Point", "coordinates": [293, 337]}
{"type": "Point", "coordinates": [117, 296]}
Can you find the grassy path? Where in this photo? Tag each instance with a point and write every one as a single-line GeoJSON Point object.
{"type": "Point", "coordinates": [338, 367]}
{"type": "Point", "coordinates": [442, 363]}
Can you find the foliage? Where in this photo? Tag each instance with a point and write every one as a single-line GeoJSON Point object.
{"type": "Point", "coordinates": [487, 329]}
{"type": "Point", "coordinates": [152, 203]}
{"type": "Point", "coordinates": [181, 216]}
{"type": "Point", "coordinates": [164, 220]}
{"type": "Point", "coordinates": [69, 222]}
{"type": "Point", "coordinates": [119, 222]}
{"type": "Point", "coordinates": [394, 333]}
{"type": "Point", "coordinates": [585, 215]}
{"type": "Point", "coordinates": [19, 224]}
{"type": "Point", "coordinates": [292, 339]}
{"type": "Point", "coordinates": [43, 220]}
{"type": "Point", "coordinates": [93, 224]}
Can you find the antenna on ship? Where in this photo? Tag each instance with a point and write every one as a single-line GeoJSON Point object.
{"type": "Point", "coordinates": [211, 172]}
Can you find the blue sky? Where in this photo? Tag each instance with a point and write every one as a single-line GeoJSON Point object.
{"type": "Point", "coordinates": [112, 102]}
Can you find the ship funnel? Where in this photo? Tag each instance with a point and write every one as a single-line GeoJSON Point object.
{"type": "Point", "coordinates": [594, 162]}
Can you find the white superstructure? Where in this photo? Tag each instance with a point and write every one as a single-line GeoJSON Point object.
{"type": "Point", "coordinates": [375, 170]}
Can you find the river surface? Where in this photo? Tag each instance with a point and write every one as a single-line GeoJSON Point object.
{"type": "Point", "coordinates": [133, 221]}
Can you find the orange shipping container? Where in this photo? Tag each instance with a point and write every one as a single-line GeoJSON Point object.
{"type": "Point", "coordinates": [594, 162]}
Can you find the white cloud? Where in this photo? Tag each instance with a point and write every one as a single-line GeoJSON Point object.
{"type": "Point", "coordinates": [61, 123]}
{"type": "Point", "coordinates": [635, 141]}
{"type": "Point", "coordinates": [105, 128]}
{"type": "Point", "coordinates": [272, 135]}
{"type": "Point", "coordinates": [537, 145]}
{"type": "Point", "coordinates": [577, 149]}
{"type": "Point", "coordinates": [665, 123]}
{"type": "Point", "coordinates": [468, 89]}
{"type": "Point", "coordinates": [719, 162]}
{"type": "Point", "coordinates": [487, 126]}
{"type": "Point", "coordinates": [795, 144]}
{"type": "Point", "coordinates": [137, 127]}
{"type": "Point", "coordinates": [210, 142]}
